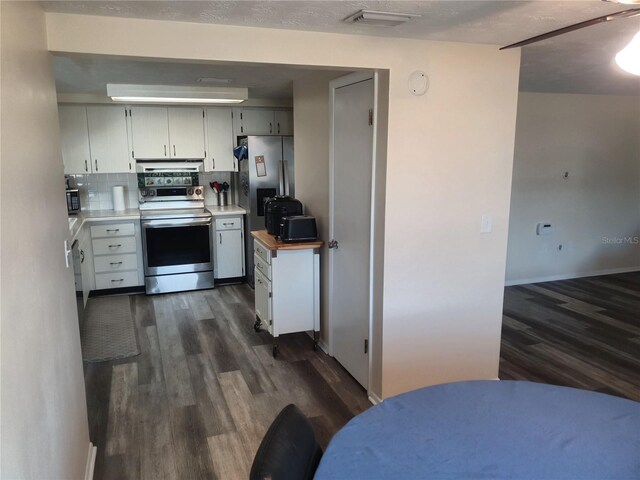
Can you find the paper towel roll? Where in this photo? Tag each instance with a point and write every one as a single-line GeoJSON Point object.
{"type": "Point", "coordinates": [118, 198]}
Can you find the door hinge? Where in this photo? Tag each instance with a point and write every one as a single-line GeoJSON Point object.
{"type": "Point", "coordinates": [270, 294]}
{"type": "Point", "coordinates": [370, 116]}
{"type": "Point", "coordinates": [270, 322]}
{"type": "Point", "coordinates": [129, 165]}
{"type": "Point", "coordinates": [240, 115]}
{"type": "Point", "coordinates": [241, 129]}
{"type": "Point", "coordinates": [366, 345]}
{"type": "Point", "coordinates": [205, 154]}
{"type": "Point", "coordinates": [132, 156]}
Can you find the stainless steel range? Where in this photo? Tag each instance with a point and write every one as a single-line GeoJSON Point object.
{"type": "Point", "coordinates": [176, 234]}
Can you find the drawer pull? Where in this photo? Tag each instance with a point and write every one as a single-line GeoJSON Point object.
{"type": "Point", "coordinates": [115, 263]}
{"type": "Point", "coordinates": [115, 246]}
{"type": "Point", "coordinates": [118, 280]}
{"type": "Point", "coordinates": [225, 224]}
{"type": "Point", "coordinates": [113, 229]}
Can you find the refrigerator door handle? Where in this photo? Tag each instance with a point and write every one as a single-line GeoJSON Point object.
{"type": "Point", "coordinates": [281, 177]}
{"type": "Point", "coordinates": [285, 170]}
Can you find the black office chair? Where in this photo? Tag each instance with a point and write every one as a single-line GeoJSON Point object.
{"type": "Point", "coordinates": [289, 450]}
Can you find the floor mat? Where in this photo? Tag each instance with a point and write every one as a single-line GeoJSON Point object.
{"type": "Point", "coordinates": [108, 332]}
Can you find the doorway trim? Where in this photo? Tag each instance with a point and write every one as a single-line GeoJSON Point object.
{"type": "Point", "coordinates": [350, 79]}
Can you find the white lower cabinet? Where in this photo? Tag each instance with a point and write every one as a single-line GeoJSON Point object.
{"type": "Point", "coordinates": [228, 247]}
{"type": "Point", "coordinates": [117, 255]}
{"type": "Point", "coordinates": [287, 286]}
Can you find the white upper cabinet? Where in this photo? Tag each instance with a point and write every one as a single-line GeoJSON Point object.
{"type": "Point", "coordinates": [261, 121]}
{"type": "Point", "coordinates": [186, 132]}
{"type": "Point", "coordinates": [256, 122]}
{"type": "Point", "coordinates": [283, 121]}
{"type": "Point", "coordinates": [150, 132]}
{"type": "Point", "coordinates": [220, 141]}
{"type": "Point", "coordinates": [108, 139]}
{"type": "Point", "coordinates": [74, 138]}
{"type": "Point", "coordinates": [173, 132]}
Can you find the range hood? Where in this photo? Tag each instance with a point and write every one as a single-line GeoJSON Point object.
{"type": "Point", "coordinates": [169, 166]}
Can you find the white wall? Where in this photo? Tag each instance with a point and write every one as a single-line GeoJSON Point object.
{"type": "Point", "coordinates": [449, 160]}
{"type": "Point", "coordinates": [44, 418]}
{"type": "Point", "coordinates": [596, 139]}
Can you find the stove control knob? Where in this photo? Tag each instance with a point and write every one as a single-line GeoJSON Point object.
{"type": "Point", "coordinates": [190, 191]}
{"type": "Point", "coordinates": [152, 193]}
{"type": "Point", "coordinates": [143, 193]}
{"type": "Point", "coordinates": [198, 191]}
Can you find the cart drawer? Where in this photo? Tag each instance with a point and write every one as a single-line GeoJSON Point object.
{"type": "Point", "coordinates": [261, 251]}
{"type": "Point", "coordinates": [263, 267]}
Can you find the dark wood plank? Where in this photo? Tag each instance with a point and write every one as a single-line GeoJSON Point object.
{"type": "Point", "coordinates": [581, 333]}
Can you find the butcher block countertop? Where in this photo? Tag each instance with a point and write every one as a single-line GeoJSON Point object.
{"type": "Point", "coordinates": [272, 244]}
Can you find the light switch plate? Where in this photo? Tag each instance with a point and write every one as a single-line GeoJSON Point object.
{"type": "Point", "coordinates": [486, 224]}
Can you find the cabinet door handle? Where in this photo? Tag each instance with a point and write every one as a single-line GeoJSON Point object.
{"type": "Point", "coordinates": [174, 150]}
{"type": "Point", "coordinates": [86, 166]}
{"type": "Point", "coordinates": [165, 150]}
{"type": "Point", "coordinates": [96, 160]}
{"type": "Point", "coordinates": [115, 246]}
{"type": "Point", "coordinates": [214, 163]}
{"type": "Point", "coordinates": [220, 237]}
{"type": "Point", "coordinates": [278, 127]}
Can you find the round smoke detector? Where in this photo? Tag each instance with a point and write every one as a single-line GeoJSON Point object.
{"type": "Point", "coordinates": [418, 83]}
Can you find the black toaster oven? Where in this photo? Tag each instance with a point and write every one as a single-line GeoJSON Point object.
{"type": "Point", "coordinates": [298, 228]}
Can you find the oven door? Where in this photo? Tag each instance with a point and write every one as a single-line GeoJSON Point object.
{"type": "Point", "coordinates": [177, 246]}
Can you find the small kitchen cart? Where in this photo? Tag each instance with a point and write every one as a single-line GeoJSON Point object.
{"type": "Point", "coordinates": [287, 286]}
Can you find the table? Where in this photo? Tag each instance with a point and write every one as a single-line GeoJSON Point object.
{"type": "Point", "coordinates": [490, 429]}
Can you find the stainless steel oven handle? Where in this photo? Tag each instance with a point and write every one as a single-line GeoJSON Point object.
{"type": "Point", "coordinates": [175, 223]}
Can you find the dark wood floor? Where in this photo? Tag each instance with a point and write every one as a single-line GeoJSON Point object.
{"type": "Point", "coordinates": [198, 399]}
{"type": "Point", "coordinates": [582, 333]}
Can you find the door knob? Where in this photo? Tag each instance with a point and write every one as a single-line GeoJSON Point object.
{"type": "Point", "coordinates": [333, 244]}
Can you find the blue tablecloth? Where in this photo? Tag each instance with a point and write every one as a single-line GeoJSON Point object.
{"type": "Point", "coordinates": [490, 430]}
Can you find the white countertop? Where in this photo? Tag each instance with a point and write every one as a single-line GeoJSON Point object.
{"type": "Point", "coordinates": [100, 216]}
{"type": "Point", "coordinates": [134, 214]}
{"type": "Point", "coordinates": [228, 210]}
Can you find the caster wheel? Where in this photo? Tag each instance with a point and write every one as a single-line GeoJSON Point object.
{"type": "Point", "coordinates": [315, 346]}
{"type": "Point", "coordinates": [275, 351]}
{"type": "Point", "coordinates": [256, 326]}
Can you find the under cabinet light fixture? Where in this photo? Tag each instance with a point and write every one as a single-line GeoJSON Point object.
{"type": "Point", "coordinates": [175, 94]}
{"type": "Point", "coordinates": [379, 19]}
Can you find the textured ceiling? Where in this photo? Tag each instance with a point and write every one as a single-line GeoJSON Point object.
{"type": "Point", "coordinates": [578, 62]}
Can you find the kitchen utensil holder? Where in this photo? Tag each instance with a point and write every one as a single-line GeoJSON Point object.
{"type": "Point", "coordinates": [222, 199]}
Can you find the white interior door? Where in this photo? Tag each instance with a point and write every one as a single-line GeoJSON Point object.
{"type": "Point", "coordinates": [351, 225]}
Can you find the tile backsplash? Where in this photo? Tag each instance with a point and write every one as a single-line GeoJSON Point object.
{"type": "Point", "coordinates": [95, 188]}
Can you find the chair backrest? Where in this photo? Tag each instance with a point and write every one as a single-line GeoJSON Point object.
{"type": "Point", "coordinates": [289, 450]}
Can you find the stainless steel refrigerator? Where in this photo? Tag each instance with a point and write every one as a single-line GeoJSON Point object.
{"type": "Point", "coordinates": [267, 171]}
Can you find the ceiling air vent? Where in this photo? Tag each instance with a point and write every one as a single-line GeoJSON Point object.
{"type": "Point", "coordinates": [379, 19]}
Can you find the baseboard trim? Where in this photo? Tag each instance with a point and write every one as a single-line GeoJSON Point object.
{"type": "Point", "coordinates": [91, 462]}
{"type": "Point", "coordinates": [569, 276]}
{"type": "Point", "coordinates": [374, 399]}
{"type": "Point", "coordinates": [321, 344]}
